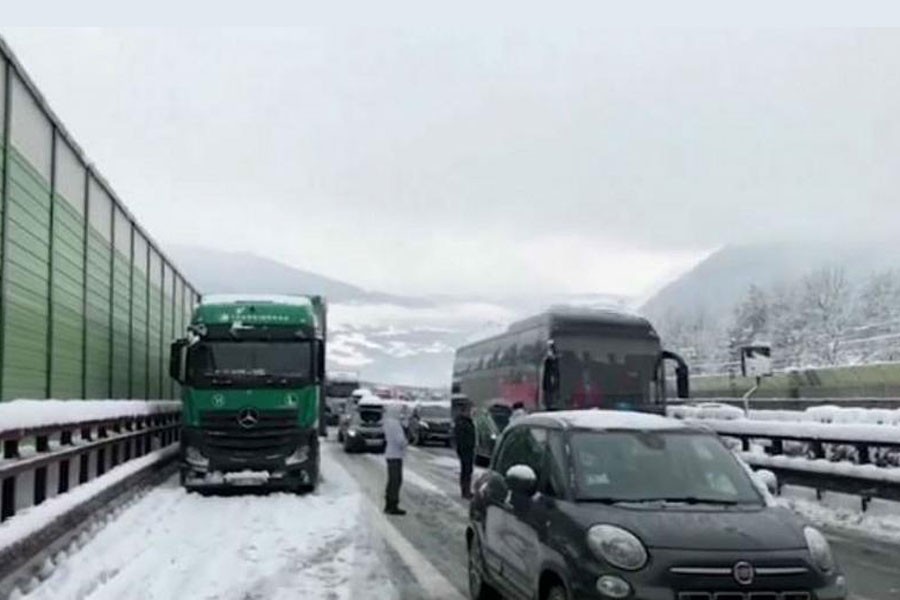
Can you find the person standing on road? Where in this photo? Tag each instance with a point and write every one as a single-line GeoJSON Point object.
{"type": "Point", "coordinates": [518, 411]}
{"type": "Point", "coordinates": [394, 452]}
{"type": "Point", "coordinates": [464, 430]}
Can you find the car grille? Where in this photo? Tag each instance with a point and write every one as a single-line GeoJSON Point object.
{"type": "Point", "coordinates": [732, 595]}
{"type": "Point", "coordinates": [439, 427]}
{"type": "Point", "coordinates": [273, 435]}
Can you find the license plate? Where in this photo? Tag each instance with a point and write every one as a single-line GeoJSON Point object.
{"type": "Point", "coordinates": [374, 442]}
{"type": "Point", "coordinates": [246, 478]}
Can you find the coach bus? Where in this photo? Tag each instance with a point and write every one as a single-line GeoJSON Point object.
{"type": "Point", "coordinates": [565, 358]}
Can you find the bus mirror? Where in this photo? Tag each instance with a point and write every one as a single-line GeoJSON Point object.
{"type": "Point", "coordinates": [682, 382]}
{"type": "Point", "coordinates": [177, 353]}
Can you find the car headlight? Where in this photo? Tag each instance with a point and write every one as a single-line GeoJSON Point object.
{"type": "Point", "coordinates": [819, 549]}
{"type": "Point", "coordinates": [195, 458]}
{"type": "Point", "coordinates": [351, 432]}
{"type": "Point", "coordinates": [618, 547]}
{"type": "Point", "coordinates": [423, 424]}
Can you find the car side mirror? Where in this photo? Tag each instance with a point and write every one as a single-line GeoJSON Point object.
{"type": "Point", "coordinates": [495, 489]}
{"type": "Point", "coordinates": [522, 480]}
{"type": "Point", "coordinates": [767, 479]}
{"type": "Point", "coordinates": [177, 352]}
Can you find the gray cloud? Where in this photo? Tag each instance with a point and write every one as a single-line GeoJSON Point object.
{"type": "Point", "coordinates": [485, 157]}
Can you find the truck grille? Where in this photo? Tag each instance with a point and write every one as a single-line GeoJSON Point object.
{"type": "Point", "coordinates": [732, 595]}
{"type": "Point", "coordinates": [272, 435]}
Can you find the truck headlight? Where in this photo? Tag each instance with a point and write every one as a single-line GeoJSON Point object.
{"type": "Point", "coordinates": [618, 547]}
{"type": "Point", "coordinates": [300, 455]}
{"type": "Point", "coordinates": [819, 549]}
{"type": "Point", "coordinates": [195, 458]}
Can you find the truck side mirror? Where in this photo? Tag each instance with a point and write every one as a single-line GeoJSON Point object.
{"type": "Point", "coordinates": [177, 352]}
{"type": "Point", "coordinates": [320, 360]}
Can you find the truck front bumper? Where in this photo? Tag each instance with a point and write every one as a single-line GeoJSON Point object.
{"type": "Point", "coordinates": [244, 462]}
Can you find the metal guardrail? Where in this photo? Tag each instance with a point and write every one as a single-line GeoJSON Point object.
{"type": "Point", "coordinates": [814, 467]}
{"type": "Point", "coordinates": [75, 453]}
{"type": "Point", "coordinates": [794, 403]}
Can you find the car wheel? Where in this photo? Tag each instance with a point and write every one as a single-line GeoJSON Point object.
{"type": "Point", "coordinates": [479, 589]}
{"type": "Point", "coordinates": [557, 592]}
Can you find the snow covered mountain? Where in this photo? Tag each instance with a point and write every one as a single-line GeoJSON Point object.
{"type": "Point", "coordinates": [393, 339]}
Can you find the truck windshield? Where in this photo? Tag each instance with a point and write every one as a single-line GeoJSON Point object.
{"type": "Point", "coordinates": [658, 466]}
{"type": "Point", "coordinates": [229, 362]}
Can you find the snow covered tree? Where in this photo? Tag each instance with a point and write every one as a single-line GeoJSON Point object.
{"type": "Point", "coordinates": [751, 318]}
{"type": "Point", "coordinates": [825, 310]}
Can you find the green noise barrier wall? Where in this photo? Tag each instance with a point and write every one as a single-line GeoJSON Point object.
{"type": "Point", "coordinates": [88, 302]}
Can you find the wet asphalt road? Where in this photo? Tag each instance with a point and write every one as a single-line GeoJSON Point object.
{"type": "Point", "coordinates": [435, 527]}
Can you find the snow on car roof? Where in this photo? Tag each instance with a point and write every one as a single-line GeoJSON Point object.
{"type": "Point", "coordinates": [267, 298]}
{"type": "Point", "coordinates": [610, 419]}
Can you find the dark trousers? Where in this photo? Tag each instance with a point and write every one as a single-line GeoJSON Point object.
{"type": "Point", "coordinates": [466, 464]}
{"type": "Point", "coordinates": [394, 480]}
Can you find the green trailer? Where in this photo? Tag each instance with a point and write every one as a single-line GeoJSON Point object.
{"type": "Point", "coordinates": [252, 374]}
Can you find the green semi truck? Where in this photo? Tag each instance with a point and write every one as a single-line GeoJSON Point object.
{"type": "Point", "coordinates": [252, 376]}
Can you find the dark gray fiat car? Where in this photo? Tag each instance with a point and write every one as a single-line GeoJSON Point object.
{"type": "Point", "coordinates": [602, 504]}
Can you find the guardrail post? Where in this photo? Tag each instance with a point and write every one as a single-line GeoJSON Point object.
{"type": "Point", "coordinates": [101, 451]}
{"type": "Point", "coordinates": [8, 487]}
{"type": "Point", "coordinates": [863, 451]}
{"type": "Point", "coordinates": [817, 448]}
{"type": "Point", "coordinates": [42, 444]}
{"type": "Point", "coordinates": [62, 480]}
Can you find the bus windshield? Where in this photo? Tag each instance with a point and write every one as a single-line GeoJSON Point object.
{"type": "Point", "coordinates": [605, 372]}
{"type": "Point", "coordinates": [228, 362]}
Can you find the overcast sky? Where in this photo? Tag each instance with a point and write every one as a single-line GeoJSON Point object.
{"type": "Point", "coordinates": [484, 158]}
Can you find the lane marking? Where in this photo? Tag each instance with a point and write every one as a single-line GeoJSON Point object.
{"type": "Point", "coordinates": [426, 575]}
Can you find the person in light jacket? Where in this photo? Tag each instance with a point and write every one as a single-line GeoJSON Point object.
{"type": "Point", "coordinates": [394, 452]}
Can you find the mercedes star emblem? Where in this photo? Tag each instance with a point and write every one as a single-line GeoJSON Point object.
{"type": "Point", "coordinates": [247, 418]}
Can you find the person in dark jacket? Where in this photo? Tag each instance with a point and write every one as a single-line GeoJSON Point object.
{"type": "Point", "coordinates": [464, 430]}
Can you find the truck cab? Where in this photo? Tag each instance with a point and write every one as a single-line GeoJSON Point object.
{"type": "Point", "coordinates": [252, 372]}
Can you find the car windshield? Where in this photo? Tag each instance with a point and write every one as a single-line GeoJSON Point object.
{"type": "Point", "coordinates": [370, 415]}
{"type": "Point", "coordinates": [643, 466]}
{"type": "Point", "coordinates": [500, 414]}
{"type": "Point", "coordinates": [227, 361]}
{"type": "Point", "coordinates": [341, 389]}
{"type": "Point", "coordinates": [434, 412]}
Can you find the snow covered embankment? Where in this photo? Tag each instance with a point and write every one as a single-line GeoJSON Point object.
{"type": "Point", "coordinates": [29, 414]}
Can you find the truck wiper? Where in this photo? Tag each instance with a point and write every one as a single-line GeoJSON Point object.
{"type": "Point", "coordinates": [221, 381]}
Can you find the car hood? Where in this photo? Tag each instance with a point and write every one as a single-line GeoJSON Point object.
{"type": "Point", "coordinates": [702, 528]}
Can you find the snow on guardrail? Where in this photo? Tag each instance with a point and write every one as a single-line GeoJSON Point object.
{"type": "Point", "coordinates": [826, 432]}
{"type": "Point", "coordinates": [28, 414]}
{"type": "Point", "coordinates": [824, 467]}
{"type": "Point", "coordinates": [815, 414]}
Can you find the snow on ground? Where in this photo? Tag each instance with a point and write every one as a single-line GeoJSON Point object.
{"type": "Point", "coordinates": [840, 511]}
{"type": "Point", "coordinates": [23, 414]}
{"type": "Point", "coordinates": [31, 519]}
{"type": "Point", "coordinates": [172, 544]}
